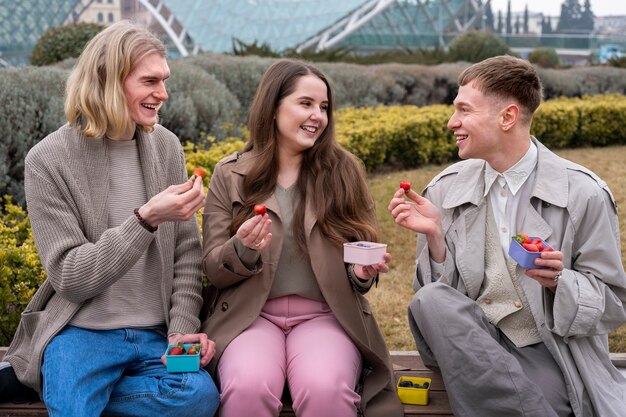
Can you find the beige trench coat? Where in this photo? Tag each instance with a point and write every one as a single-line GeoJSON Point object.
{"type": "Point", "coordinates": [236, 294]}
{"type": "Point", "coordinates": [573, 209]}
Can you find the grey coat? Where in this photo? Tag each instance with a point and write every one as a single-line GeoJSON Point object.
{"type": "Point", "coordinates": [67, 179]}
{"type": "Point", "coordinates": [573, 210]}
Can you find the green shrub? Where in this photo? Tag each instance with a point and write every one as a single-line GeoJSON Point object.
{"type": "Point", "coordinates": [210, 153]}
{"type": "Point", "coordinates": [602, 120]}
{"type": "Point", "coordinates": [198, 103]}
{"type": "Point", "coordinates": [417, 84]}
{"type": "Point", "coordinates": [31, 108]}
{"type": "Point", "coordinates": [582, 81]}
{"type": "Point", "coordinates": [556, 123]}
{"type": "Point", "coordinates": [63, 42]}
{"type": "Point", "coordinates": [545, 57]}
{"type": "Point", "coordinates": [354, 86]}
{"type": "Point", "coordinates": [476, 46]}
{"type": "Point", "coordinates": [241, 75]}
{"type": "Point", "coordinates": [21, 272]}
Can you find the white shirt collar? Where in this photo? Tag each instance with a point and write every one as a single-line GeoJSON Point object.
{"type": "Point", "coordinates": [516, 175]}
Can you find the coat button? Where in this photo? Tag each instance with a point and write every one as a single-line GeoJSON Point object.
{"type": "Point", "coordinates": [224, 306]}
{"type": "Point", "coordinates": [487, 301]}
{"type": "Point", "coordinates": [518, 304]}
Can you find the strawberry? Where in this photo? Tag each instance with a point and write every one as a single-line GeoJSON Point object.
{"type": "Point", "coordinates": [547, 249]}
{"type": "Point", "coordinates": [260, 209]}
{"type": "Point", "coordinates": [405, 185]}
{"type": "Point", "coordinates": [538, 242]}
{"type": "Point", "coordinates": [522, 238]}
{"type": "Point", "coordinates": [530, 247]}
{"type": "Point", "coordinates": [199, 172]}
{"type": "Point", "coordinates": [194, 349]}
{"type": "Point", "coordinates": [179, 349]}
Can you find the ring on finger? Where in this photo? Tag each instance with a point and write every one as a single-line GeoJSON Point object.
{"type": "Point", "coordinates": [259, 243]}
{"type": "Point", "coordinates": [558, 276]}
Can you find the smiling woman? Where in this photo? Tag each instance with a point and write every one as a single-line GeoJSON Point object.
{"type": "Point", "coordinates": [280, 295]}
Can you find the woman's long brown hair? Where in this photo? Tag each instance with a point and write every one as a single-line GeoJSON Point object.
{"type": "Point", "coordinates": [336, 178]}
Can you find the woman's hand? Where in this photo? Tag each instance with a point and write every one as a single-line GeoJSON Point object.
{"type": "Point", "coordinates": [367, 272]}
{"type": "Point", "coordinates": [254, 232]}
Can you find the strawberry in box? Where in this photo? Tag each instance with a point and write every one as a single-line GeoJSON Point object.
{"type": "Point", "coordinates": [524, 249]}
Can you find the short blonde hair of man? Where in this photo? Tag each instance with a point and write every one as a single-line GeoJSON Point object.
{"type": "Point", "coordinates": [95, 102]}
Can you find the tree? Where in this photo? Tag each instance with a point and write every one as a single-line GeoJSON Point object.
{"type": "Point", "coordinates": [586, 20]}
{"type": "Point", "coordinates": [500, 28]}
{"type": "Point", "coordinates": [476, 46]}
{"type": "Point", "coordinates": [63, 42]}
{"type": "Point", "coordinates": [509, 27]}
{"type": "Point", "coordinates": [517, 25]}
{"type": "Point", "coordinates": [573, 19]}
{"type": "Point", "coordinates": [549, 25]}
{"type": "Point", "coordinates": [489, 20]}
{"type": "Point", "coordinates": [526, 19]}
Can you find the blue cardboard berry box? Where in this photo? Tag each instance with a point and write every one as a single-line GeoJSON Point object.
{"type": "Point", "coordinates": [524, 258]}
{"type": "Point", "coordinates": [363, 253]}
{"type": "Point", "coordinates": [416, 392]}
{"type": "Point", "coordinates": [184, 362]}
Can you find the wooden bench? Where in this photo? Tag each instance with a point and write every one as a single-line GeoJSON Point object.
{"type": "Point", "coordinates": [407, 363]}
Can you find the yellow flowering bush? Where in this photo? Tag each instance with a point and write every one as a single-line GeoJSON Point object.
{"type": "Point", "coordinates": [391, 136]}
{"type": "Point", "coordinates": [209, 153]}
{"type": "Point", "coordinates": [21, 272]}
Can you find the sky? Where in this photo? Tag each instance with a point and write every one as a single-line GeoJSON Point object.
{"type": "Point", "coordinates": [553, 7]}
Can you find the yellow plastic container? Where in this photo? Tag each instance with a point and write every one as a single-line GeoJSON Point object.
{"type": "Point", "coordinates": [412, 395]}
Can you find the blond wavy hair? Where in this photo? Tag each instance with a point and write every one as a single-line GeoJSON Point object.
{"type": "Point", "coordinates": [95, 102]}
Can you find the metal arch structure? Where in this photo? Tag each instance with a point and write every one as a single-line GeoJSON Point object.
{"type": "Point", "coordinates": [169, 23]}
{"type": "Point", "coordinates": [313, 24]}
{"type": "Point", "coordinates": [24, 21]}
{"type": "Point", "coordinates": [281, 24]}
{"type": "Point", "coordinates": [393, 23]}
{"type": "Point", "coordinates": [332, 35]}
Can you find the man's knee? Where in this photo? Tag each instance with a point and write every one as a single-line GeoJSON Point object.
{"type": "Point", "coordinates": [429, 298]}
{"type": "Point", "coordinates": [203, 392]}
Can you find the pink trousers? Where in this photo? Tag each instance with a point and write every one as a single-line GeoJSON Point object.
{"type": "Point", "coordinates": [297, 340]}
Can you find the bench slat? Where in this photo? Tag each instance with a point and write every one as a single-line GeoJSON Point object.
{"type": "Point", "coordinates": [407, 363]}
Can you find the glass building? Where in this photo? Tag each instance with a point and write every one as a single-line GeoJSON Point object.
{"type": "Point", "coordinates": [321, 24]}
{"type": "Point", "coordinates": [22, 22]}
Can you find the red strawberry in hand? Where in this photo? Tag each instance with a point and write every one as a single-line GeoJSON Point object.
{"type": "Point", "coordinates": [405, 185]}
{"type": "Point", "coordinates": [179, 349]}
{"type": "Point", "coordinates": [199, 172]}
{"type": "Point", "coordinates": [260, 209]}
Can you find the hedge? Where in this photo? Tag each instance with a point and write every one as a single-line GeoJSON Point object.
{"type": "Point", "coordinates": [210, 95]}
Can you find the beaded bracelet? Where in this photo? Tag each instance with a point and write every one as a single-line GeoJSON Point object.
{"type": "Point", "coordinates": [142, 222]}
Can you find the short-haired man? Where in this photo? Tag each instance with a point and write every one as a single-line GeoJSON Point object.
{"type": "Point", "coordinates": [510, 341]}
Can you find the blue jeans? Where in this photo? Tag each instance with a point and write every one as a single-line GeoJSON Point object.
{"type": "Point", "coordinates": [90, 372]}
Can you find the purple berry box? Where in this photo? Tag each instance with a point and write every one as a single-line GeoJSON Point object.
{"type": "Point", "coordinates": [524, 258]}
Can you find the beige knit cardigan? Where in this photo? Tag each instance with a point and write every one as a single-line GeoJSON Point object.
{"type": "Point", "coordinates": [67, 185]}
